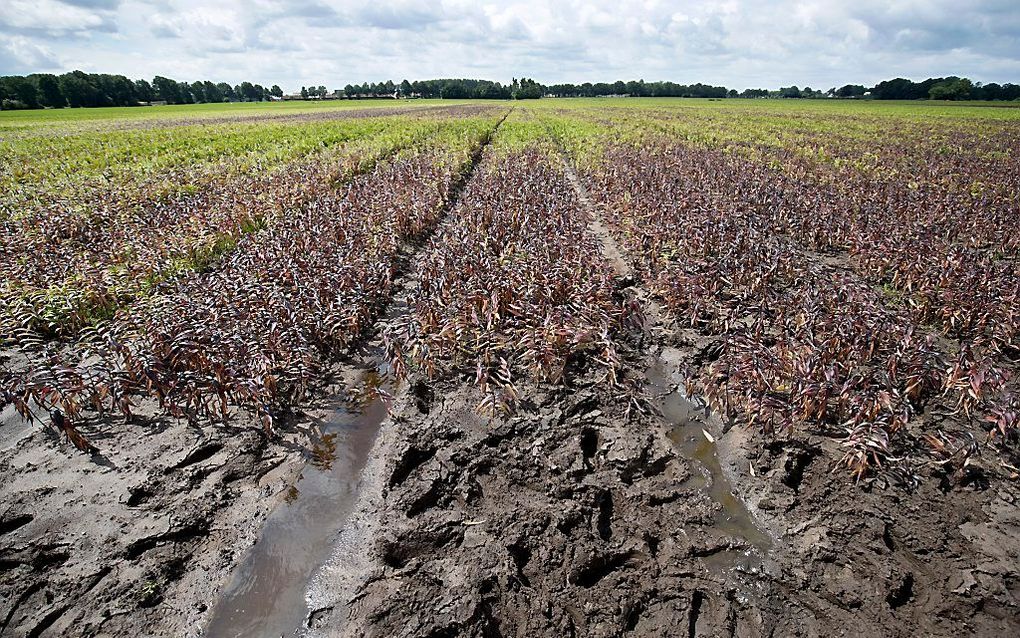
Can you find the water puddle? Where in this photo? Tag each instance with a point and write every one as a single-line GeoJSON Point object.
{"type": "Point", "coordinates": [691, 436]}
{"type": "Point", "coordinates": [266, 596]}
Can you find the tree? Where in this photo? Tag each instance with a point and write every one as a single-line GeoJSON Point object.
{"type": "Point", "coordinates": [212, 92]}
{"type": "Point", "coordinates": [75, 89]}
{"type": "Point", "coordinates": [304, 93]}
{"type": "Point", "coordinates": [990, 91]}
{"type": "Point", "coordinates": [276, 91]}
{"type": "Point", "coordinates": [405, 88]}
{"type": "Point", "coordinates": [492, 91]}
{"type": "Point", "coordinates": [850, 90]}
{"type": "Point", "coordinates": [454, 90]}
{"type": "Point", "coordinates": [789, 92]}
{"type": "Point", "coordinates": [226, 91]}
{"type": "Point", "coordinates": [951, 89]}
{"type": "Point", "coordinates": [49, 91]}
{"type": "Point", "coordinates": [144, 91]}
{"type": "Point", "coordinates": [895, 89]}
{"type": "Point", "coordinates": [198, 91]}
{"type": "Point", "coordinates": [118, 90]}
{"type": "Point", "coordinates": [637, 88]}
{"type": "Point", "coordinates": [248, 91]}
{"type": "Point", "coordinates": [166, 90]}
{"type": "Point", "coordinates": [24, 91]}
{"type": "Point", "coordinates": [528, 89]}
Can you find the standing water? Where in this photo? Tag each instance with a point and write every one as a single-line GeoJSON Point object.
{"type": "Point", "coordinates": [266, 597]}
{"type": "Point", "coordinates": [690, 435]}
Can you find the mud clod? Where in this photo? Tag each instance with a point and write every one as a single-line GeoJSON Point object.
{"type": "Point", "coordinates": [697, 599]}
{"type": "Point", "coordinates": [14, 522]}
{"type": "Point", "coordinates": [411, 459]}
{"type": "Point", "coordinates": [424, 396]}
{"type": "Point", "coordinates": [605, 519]}
{"type": "Point", "coordinates": [592, 571]}
{"type": "Point", "coordinates": [902, 593]}
{"type": "Point", "coordinates": [201, 453]}
{"type": "Point", "coordinates": [182, 534]}
{"type": "Point", "coordinates": [399, 551]}
{"type": "Point", "coordinates": [797, 461]}
{"type": "Point", "coordinates": [589, 442]}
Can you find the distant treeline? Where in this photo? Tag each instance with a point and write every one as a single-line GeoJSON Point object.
{"type": "Point", "coordinates": [949, 88]}
{"type": "Point", "coordinates": [76, 89]}
{"type": "Point", "coordinates": [451, 89]}
{"type": "Point", "coordinates": [100, 89]}
{"type": "Point", "coordinates": [523, 89]}
{"type": "Point", "coordinates": [638, 88]}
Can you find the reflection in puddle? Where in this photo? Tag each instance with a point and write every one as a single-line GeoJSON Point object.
{"type": "Point", "coordinates": [324, 452]}
{"type": "Point", "coordinates": [266, 596]}
{"type": "Point", "coordinates": [691, 436]}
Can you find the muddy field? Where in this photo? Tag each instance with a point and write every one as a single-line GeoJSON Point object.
{"type": "Point", "coordinates": [389, 505]}
{"type": "Point", "coordinates": [573, 518]}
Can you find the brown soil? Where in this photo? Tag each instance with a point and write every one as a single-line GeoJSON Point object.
{"type": "Point", "coordinates": [137, 539]}
{"type": "Point", "coordinates": [571, 519]}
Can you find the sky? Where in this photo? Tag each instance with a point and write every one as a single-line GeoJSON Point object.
{"type": "Point", "coordinates": [735, 43]}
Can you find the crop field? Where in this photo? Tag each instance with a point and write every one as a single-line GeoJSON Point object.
{"type": "Point", "coordinates": [568, 367]}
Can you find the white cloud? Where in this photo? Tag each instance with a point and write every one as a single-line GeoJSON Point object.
{"type": "Point", "coordinates": [738, 43]}
{"type": "Point", "coordinates": [214, 29]}
{"type": "Point", "coordinates": [29, 56]}
{"type": "Point", "coordinates": [53, 16]}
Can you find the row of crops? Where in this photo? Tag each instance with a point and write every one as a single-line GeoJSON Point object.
{"type": "Point", "coordinates": [254, 326]}
{"type": "Point", "coordinates": [513, 286]}
{"type": "Point", "coordinates": [859, 291]}
{"type": "Point", "coordinates": [74, 261]}
{"type": "Point", "coordinates": [854, 276]}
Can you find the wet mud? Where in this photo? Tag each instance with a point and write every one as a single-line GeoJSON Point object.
{"type": "Point", "coordinates": [135, 540]}
{"type": "Point", "coordinates": [569, 520]}
{"type": "Point", "coordinates": [266, 594]}
{"type": "Point", "coordinates": [584, 516]}
{"type": "Point", "coordinates": [576, 517]}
